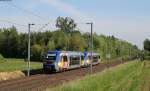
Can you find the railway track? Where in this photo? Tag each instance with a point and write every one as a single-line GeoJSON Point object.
{"type": "Point", "coordinates": [42, 81]}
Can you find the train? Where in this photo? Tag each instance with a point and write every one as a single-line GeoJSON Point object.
{"type": "Point", "coordinates": [58, 61]}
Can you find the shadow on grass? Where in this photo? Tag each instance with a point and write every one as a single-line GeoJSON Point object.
{"type": "Point", "coordinates": [38, 71]}
{"type": "Point", "coordinates": [34, 71]}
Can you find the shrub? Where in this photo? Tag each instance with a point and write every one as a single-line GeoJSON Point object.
{"type": "Point", "coordinates": [1, 58]}
{"type": "Point", "coordinates": [36, 51]}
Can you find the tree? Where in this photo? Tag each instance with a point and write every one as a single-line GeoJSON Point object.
{"type": "Point", "coordinates": [36, 51]}
{"type": "Point", "coordinates": [77, 43]}
{"type": "Point", "coordinates": [15, 45]}
{"type": "Point", "coordinates": [66, 24]}
{"type": "Point", "coordinates": [11, 41]}
{"type": "Point", "coordinates": [60, 39]}
{"type": "Point", "coordinates": [23, 45]}
{"type": "Point", "coordinates": [2, 38]}
{"type": "Point", "coordinates": [96, 42]}
{"type": "Point", "coordinates": [146, 49]}
{"type": "Point", "coordinates": [147, 45]}
{"type": "Point", "coordinates": [51, 45]}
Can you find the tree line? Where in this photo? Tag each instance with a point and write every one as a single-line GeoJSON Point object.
{"type": "Point", "coordinates": [14, 44]}
{"type": "Point", "coordinates": [146, 51]}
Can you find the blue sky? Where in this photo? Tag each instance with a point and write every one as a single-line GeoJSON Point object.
{"type": "Point", "coordinates": [125, 19]}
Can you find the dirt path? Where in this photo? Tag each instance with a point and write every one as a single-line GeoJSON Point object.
{"type": "Point", "coordinates": [42, 81]}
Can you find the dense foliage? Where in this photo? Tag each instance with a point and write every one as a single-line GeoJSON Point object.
{"type": "Point", "coordinates": [146, 49]}
{"type": "Point", "coordinates": [14, 44]}
{"type": "Point", "coordinates": [2, 58]}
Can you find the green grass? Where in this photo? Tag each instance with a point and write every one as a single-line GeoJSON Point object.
{"type": "Point", "coordinates": [132, 76]}
{"type": "Point", "coordinates": [8, 65]}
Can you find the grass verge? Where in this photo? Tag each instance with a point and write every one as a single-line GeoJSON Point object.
{"type": "Point", "coordinates": [131, 76]}
{"type": "Point", "coordinates": [9, 65]}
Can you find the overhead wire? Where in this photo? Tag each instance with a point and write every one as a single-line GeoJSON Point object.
{"type": "Point", "coordinates": [13, 23]}
{"type": "Point", "coordinates": [45, 25]}
{"type": "Point", "coordinates": [27, 11]}
{"type": "Point", "coordinates": [31, 13]}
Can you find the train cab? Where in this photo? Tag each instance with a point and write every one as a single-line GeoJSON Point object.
{"type": "Point", "coordinates": [50, 60]}
{"type": "Point", "coordinates": [95, 58]}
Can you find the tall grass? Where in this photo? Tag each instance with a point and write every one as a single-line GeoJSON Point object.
{"type": "Point", "coordinates": [132, 76]}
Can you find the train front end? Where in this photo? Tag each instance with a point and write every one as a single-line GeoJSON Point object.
{"type": "Point", "coordinates": [50, 61]}
{"type": "Point", "coordinates": [94, 56]}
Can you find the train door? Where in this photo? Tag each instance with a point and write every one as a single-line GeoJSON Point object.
{"type": "Point", "coordinates": [64, 62]}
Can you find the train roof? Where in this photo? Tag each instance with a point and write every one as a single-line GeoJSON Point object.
{"type": "Point", "coordinates": [69, 52]}
{"type": "Point", "coordinates": [73, 52]}
{"type": "Point", "coordinates": [89, 53]}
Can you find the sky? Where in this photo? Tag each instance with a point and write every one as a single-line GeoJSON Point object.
{"type": "Point", "coordinates": [125, 19]}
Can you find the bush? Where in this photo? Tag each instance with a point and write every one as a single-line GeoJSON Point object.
{"type": "Point", "coordinates": [1, 58]}
{"type": "Point", "coordinates": [36, 51]}
{"type": "Point", "coordinates": [147, 57]}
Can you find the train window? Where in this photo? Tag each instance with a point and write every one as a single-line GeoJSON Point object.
{"type": "Point", "coordinates": [74, 60]}
{"type": "Point", "coordinates": [99, 57]}
{"type": "Point", "coordinates": [65, 58]}
{"type": "Point", "coordinates": [51, 57]}
{"type": "Point", "coordinates": [95, 58]}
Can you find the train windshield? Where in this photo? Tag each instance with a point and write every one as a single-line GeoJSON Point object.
{"type": "Point", "coordinates": [95, 58]}
{"type": "Point", "coordinates": [51, 57]}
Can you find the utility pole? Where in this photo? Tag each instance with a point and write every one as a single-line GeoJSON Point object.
{"type": "Point", "coordinates": [121, 48]}
{"type": "Point", "coordinates": [91, 46]}
{"type": "Point", "coordinates": [29, 26]}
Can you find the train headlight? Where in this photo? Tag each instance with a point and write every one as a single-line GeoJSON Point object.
{"type": "Point", "coordinates": [59, 64]}
{"type": "Point", "coordinates": [88, 61]}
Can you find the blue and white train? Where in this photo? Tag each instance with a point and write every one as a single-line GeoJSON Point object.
{"type": "Point", "coordinates": [64, 60]}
